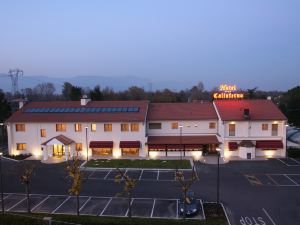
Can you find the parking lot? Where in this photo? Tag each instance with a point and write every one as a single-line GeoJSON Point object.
{"type": "Point", "coordinates": [274, 179]}
{"type": "Point", "coordinates": [150, 175]}
{"type": "Point", "coordinates": [290, 161]}
{"type": "Point", "coordinates": [97, 206]}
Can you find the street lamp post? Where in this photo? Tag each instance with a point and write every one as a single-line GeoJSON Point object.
{"type": "Point", "coordinates": [180, 128]}
{"type": "Point", "coordinates": [86, 143]}
{"type": "Point", "coordinates": [218, 177]}
{"type": "Point", "coordinates": [1, 183]}
{"type": "Point", "coordinates": [2, 134]}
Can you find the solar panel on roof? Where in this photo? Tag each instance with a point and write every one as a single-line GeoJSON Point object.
{"type": "Point", "coordinates": [83, 110]}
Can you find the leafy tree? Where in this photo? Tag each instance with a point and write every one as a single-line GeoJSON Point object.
{"type": "Point", "coordinates": [26, 179]}
{"type": "Point", "coordinates": [44, 91]}
{"type": "Point", "coordinates": [5, 109]}
{"type": "Point", "coordinates": [136, 93]}
{"type": "Point", "coordinates": [290, 105]}
{"type": "Point", "coordinates": [185, 185]}
{"type": "Point", "coordinates": [130, 184]}
{"type": "Point", "coordinates": [96, 94]}
{"type": "Point", "coordinates": [73, 168]}
{"type": "Point", "coordinates": [76, 93]}
{"type": "Point", "coordinates": [251, 93]}
{"type": "Point", "coordinates": [66, 90]}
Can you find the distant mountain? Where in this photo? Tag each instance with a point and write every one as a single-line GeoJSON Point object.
{"type": "Point", "coordinates": [116, 83]}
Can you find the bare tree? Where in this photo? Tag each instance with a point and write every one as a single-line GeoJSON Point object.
{"type": "Point", "coordinates": [73, 168]}
{"type": "Point", "coordinates": [130, 184]}
{"type": "Point", "coordinates": [26, 179]}
{"type": "Point", "coordinates": [185, 185]}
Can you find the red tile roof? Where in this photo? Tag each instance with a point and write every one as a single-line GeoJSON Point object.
{"type": "Point", "coordinates": [61, 138]}
{"type": "Point", "coordinates": [182, 111]}
{"type": "Point", "coordinates": [205, 139]}
{"type": "Point", "coordinates": [259, 110]}
{"type": "Point", "coordinates": [21, 116]}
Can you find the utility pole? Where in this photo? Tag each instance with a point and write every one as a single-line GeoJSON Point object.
{"type": "Point", "coordinates": [14, 76]}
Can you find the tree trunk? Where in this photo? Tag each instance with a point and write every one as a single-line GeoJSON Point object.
{"type": "Point", "coordinates": [129, 205]}
{"type": "Point", "coordinates": [77, 196]}
{"type": "Point", "coordinates": [28, 198]}
{"type": "Point", "coordinates": [184, 205]}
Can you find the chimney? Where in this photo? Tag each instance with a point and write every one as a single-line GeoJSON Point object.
{"type": "Point", "coordinates": [22, 102]}
{"type": "Point", "coordinates": [269, 98]}
{"type": "Point", "coordinates": [247, 114]}
{"type": "Point", "coordinates": [84, 100]}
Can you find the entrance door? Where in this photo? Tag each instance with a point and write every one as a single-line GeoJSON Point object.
{"type": "Point", "coordinates": [58, 150]}
{"type": "Point", "coordinates": [248, 155]}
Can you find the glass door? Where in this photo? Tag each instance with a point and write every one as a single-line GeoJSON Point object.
{"type": "Point", "coordinates": [58, 150]}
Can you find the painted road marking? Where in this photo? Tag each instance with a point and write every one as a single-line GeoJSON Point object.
{"type": "Point", "coordinates": [16, 203]}
{"type": "Point", "coordinates": [253, 180]}
{"type": "Point", "coordinates": [295, 161]}
{"type": "Point", "coordinates": [40, 203]}
{"type": "Point", "coordinates": [157, 175]}
{"type": "Point", "coordinates": [107, 175]}
{"type": "Point", "coordinates": [105, 207]}
{"type": "Point", "coordinates": [291, 179]}
{"type": "Point", "coordinates": [85, 203]}
{"type": "Point", "coordinates": [61, 205]}
{"type": "Point", "coordinates": [141, 175]}
{"type": "Point", "coordinates": [128, 208]}
{"type": "Point", "coordinates": [153, 208]}
{"type": "Point", "coordinates": [270, 218]}
{"type": "Point", "coordinates": [288, 164]}
{"type": "Point", "coordinates": [177, 206]}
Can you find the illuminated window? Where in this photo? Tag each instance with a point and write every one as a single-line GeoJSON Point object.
{"type": "Point", "coordinates": [153, 126]}
{"type": "Point", "coordinates": [135, 127]}
{"type": "Point", "coordinates": [124, 127]}
{"type": "Point", "coordinates": [78, 147]}
{"type": "Point", "coordinates": [264, 126]}
{"type": "Point", "coordinates": [20, 127]}
{"type": "Point", "coordinates": [77, 127]}
{"type": "Point", "coordinates": [61, 127]}
{"type": "Point", "coordinates": [274, 129]}
{"type": "Point", "coordinates": [107, 127]}
{"type": "Point", "coordinates": [231, 129]}
{"type": "Point", "coordinates": [212, 125]}
{"type": "Point", "coordinates": [174, 125]}
{"type": "Point", "coordinates": [43, 133]}
{"type": "Point", "coordinates": [93, 127]}
{"type": "Point", "coordinates": [21, 146]}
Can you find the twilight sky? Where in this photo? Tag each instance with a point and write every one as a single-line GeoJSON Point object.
{"type": "Point", "coordinates": [246, 42]}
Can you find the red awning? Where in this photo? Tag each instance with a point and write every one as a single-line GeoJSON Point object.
{"type": "Point", "coordinates": [232, 146]}
{"type": "Point", "coordinates": [269, 144]}
{"type": "Point", "coordinates": [173, 147]}
{"type": "Point", "coordinates": [192, 146]}
{"type": "Point", "coordinates": [101, 144]}
{"type": "Point", "coordinates": [150, 147]}
{"type": "Point", "coordinates": [130, 144]}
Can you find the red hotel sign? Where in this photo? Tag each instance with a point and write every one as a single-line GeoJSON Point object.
{"type": "Point", "coordinates": [228, 92]}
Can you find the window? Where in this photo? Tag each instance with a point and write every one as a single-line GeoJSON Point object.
{"type": "Point", "coordinates": [61, 127]}
{"type": "Point", "coordinates": [78, 147]}
{"type": "Point", "coordinates": [212, 125]}
{"type": "Point", "coordinates": [231, 129]}
{"type": "Point", "coordinates": [135, 127]}
{"type": "Point", "coordinates": [20, 127]}
{"type": "Point", "coordinates": [274, 129]}
{"type": "Point", "coordinates": [124, 127]}
{"type": "Point", "coordinates": [107, 127]}
{"type": "Point", "coordinates": [21, 146]}
{"type": "Point", "coordinates": [93, 127]}
{"type": "Point", "coordinates": [77, 127]}
{"type": "Point", "coordinates": [43, 133]}
{"type": "Point", "coordinates": [264, 126]}
{"type": "Point", "coordinates": [154, 126]}
{"type": "Point", "coordinates": [174, 126]}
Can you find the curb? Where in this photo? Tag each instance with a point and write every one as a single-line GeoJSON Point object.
{"type": "Point", "coordinates": [14, 160]}
{"type": "Point", "coordinates": [113, 168]}
{"type": "Point", "coordinates": [228, 221]}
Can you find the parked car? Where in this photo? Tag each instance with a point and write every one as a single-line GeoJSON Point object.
{"type": "Point", "coordinates": [191, 207]}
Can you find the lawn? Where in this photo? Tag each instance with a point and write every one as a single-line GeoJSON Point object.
{"type": "Point", "coordinates": [139, 163]}
{"type": "Point", "coordinates": [26, 219]}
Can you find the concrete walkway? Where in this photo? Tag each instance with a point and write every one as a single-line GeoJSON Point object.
{"type": "Point", "coordinates": [213, 159]}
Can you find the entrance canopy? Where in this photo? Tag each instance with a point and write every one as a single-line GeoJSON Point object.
{"type": "Point", "coordinates": [60, 139]}
{"type": "Point", "coordinates": [130, 144]}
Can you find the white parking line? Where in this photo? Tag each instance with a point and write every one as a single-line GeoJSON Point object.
{"type": "Point", "coordinates": [269, 176]}
{"type": "Point", "coordinates": [91, 174]}
{"type": "Point", "coordinates": [61, 204]}
{"type": "Point", "coordinates": [153, 208]}
{"type": "Point", "coordinates": [201, 203]}
{"type": "Point", "coordinates": [107, 174]}
{"type": "Point", "coordinates": [268, 216]}
{"type": "Point", "coordinates": [40, 203]}
{"type": "Point", "coordinates": [295, 161]}
{"type": "Point", "coordinates": [157, 175]}
{"type": "Point", "coordinates": [177, 209]}
{"type": "Point", "coordinates": [128, 208]}
{"type": "Point", "coordinates": [17, 203]}
{"type": "Point", "coordinates": [291, 180]}
{"type": "Point", "coordinates": [85, 203]}
{"type": "Point", "coordinates": [288, 164]}
{"type": "Point", "coordinates": [105, 207]}
{"type": "Point", "coordinates": [141, 175]}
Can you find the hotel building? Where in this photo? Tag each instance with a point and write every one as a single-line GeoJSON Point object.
{"type": "Point", "coordinates": [240, 128]}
